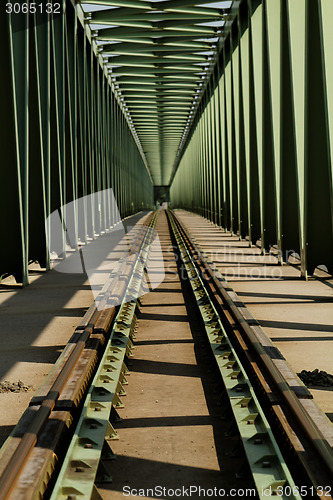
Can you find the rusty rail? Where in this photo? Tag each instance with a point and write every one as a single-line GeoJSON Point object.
{"type": "Point", "coordinates": [97, 319]}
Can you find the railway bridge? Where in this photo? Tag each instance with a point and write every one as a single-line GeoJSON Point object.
{"type": "Point", "coordinates": [166, 214]}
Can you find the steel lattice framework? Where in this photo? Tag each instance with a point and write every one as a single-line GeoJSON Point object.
{"type": "Point", "coordinates": [258, 160]}
{"type": "Point", "coordinates": [229, 103]}
{"type": "Point", "coordinates": [160, 55]}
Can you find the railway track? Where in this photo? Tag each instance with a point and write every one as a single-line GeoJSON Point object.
{"type": "Point", "coordinates": [30, 456]}
{"type": "Point", "coordinates": [303, 434]}
{"type": "Point", "coordinates": [56, 449]}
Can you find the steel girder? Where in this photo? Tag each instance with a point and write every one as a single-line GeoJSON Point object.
{"type": "Point", "coordinates": [258, 159]}
{"type": "Point", "coordinates": [64, 136]}
{"type": "Point", "coordinates": [161, 47]}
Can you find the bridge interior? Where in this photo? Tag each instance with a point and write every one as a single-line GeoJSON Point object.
{"type": "Point", "coordinates": [223, 110]}
{"type": "Point", "coordinates": [226, 104]}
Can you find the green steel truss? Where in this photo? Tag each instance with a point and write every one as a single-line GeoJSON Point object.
{"type": "Point", "coordinates": [64, 133]}
{"type": "Point", "coordinates": [229, 102]}
{"type": "Point", "coordinates": [160, 55]}
{"type": "Point", "coordinates": [258, 159]}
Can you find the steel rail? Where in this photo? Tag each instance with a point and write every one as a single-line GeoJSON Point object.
{"type": "Point", "coordinates": [307, 424]}
{"type": "Point", "coordinates": [261, 448]}
{"type": "Point", "coordinates": [29, 439]}
{"type": "Point", "coordinates": [116, 349]}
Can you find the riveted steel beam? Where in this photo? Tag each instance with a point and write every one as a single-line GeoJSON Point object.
{"type": "Point", "coordinates": [167, 48]}
{"type": "Point", "coordinates": [113, 16]}
{"type": "Point", "coordinates": [141, 60]}
{"type": "Point", "coordinates": [135, 4]}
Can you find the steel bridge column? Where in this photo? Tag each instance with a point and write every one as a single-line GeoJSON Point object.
{"type": "Point", "coordinates": [270, 109]}
{"type": "Point", "coordinates": [12, 200]}
{"type": "Point", "coordinates": [81, 51]}
{"type": "Point", "coordinates": [317, 245]}
{"type": "Point", "coordinates": [57, 116]}
{"type": "Point", "coordinates": [219, 151]}
{"type": "Point", "coordinates": [240, 137]}
{"type": "Point", "coordinates": [213, 149]}
{"type": "Point", "coordinates": [39, 140]}
{"type": "Point", "coordinates": [211, 163]}
{"type": "Point", "coordinates": [254, 185]}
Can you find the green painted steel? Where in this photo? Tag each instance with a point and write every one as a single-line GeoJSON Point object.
{"type": "Point", "coordinates": [64, 134]}
{"type": "Point", "coordinates": [229, 103]}
{"type": "Point", "coordinates": [264, 170]}
{"type": "Point", "coordinates": [159, 55]}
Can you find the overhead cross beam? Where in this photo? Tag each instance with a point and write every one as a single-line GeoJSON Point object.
{"type": "Point", "coordinates": [159, 56]}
